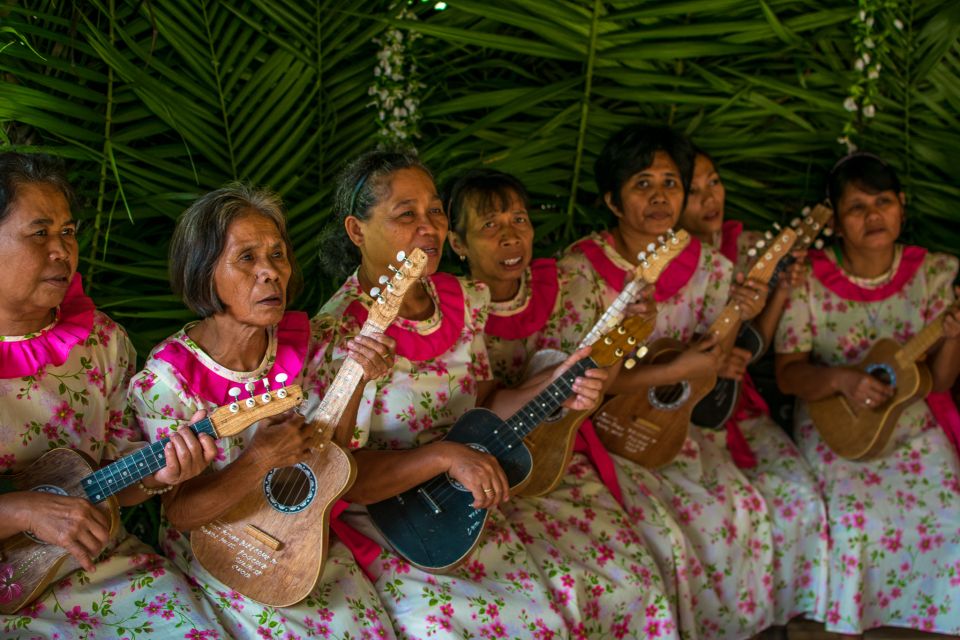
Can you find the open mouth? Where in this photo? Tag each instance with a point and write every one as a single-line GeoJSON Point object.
{"type": "Point", "coordinates": [431, 250]}
{"type": "Point", "coordinates": [512, 262]}
{"type": "Point", "coordinates": [711, 216]}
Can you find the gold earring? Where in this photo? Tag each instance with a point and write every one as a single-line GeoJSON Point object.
{"type": "Point", "coordinates": [463, 258]}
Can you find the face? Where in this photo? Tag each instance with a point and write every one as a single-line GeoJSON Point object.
{"type": "Point", "coordinates": [703, 215]}
{"type": "Point", "coordinates": [38, 251]}
{"type": "Point", "coordinates": [409, 216]}
{"type": "Point", "coordinates": [651, 199]}
{"type": "Point", "coordinates": [869, 221]}
{"type": "Point", "coordinates": [498, 244]}
{"type": "Point", "coordinates": [253, 271]}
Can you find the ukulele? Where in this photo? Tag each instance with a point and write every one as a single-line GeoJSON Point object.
{"type": "Point", "coordinates": [271, 546]}
{"type": "Point", "coordinates": [36, 564]}
{"type": "Point", "coordinates": [860, 433]}
{"type": "Point", "coordinates": [552, 445]}
{"type": "Point", "coordinates": [718, 405]}
{"type": "Point", "coordinates": [650, 427]}
{"type": "Point", "coordinates": [433, 525]}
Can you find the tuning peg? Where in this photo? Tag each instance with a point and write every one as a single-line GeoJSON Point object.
{"type": "Point", "coordinates": [828, 231]}
{"type": "Point", "coordinates": [795, 223]}
{"type": "Point", "coordinates": [752, 252]}
{"type": "Point", "coordinates": [631, 341]}
{"type": "Point", "coordinates": [818, 244]}
{"type": "Point", "coordinates": [384, 279]}
{"type": "Point", "coordinates": [233, 393]}
{"type": "Point", "coordinates": [266, 383]}
{"type": "Point", "coordinates": [397, 274]}
{"type": "Point", "coordinates": [401, 256]}
{"type": "Point", "coordinates": [777, 226]}
{"type": "Point", "coordinates": [805, 211]}
{"type": "Point", "coordinates": [618, 352]}
{"type": "Point", "coordinates": [761, 244]}
{"type": "Point", "coordinates": [642, 352]}
{"type": "Point", "coordinates": [660, 239]}
{"type": "Point", "coordinates": [375, 292]}
{"type": "Point", "coordinates": [673, 237]}
{"type": "Point", "coordinates": [250, 402]}
{"type": "Point", "coordinates": [642, 256]}
{"type": "Point", "coordinates": [768, 235]}
{"type": "Point", "coordinates": [630, 363]}
{"type": "Point", "coordinates": [281, 378]}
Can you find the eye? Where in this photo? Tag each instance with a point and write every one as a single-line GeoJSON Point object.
{"type": "Point", "coordinates": [521, 220]}
{"type": "Point", "coordinates": [40, 233]}
{"type": "Point", "coordinates": [489, 224]}
{"type": "Point", "coordinates": [437, 211]}
{"type": "Point", "coordinates": [279, 254]}
{"type": "Point", "coordinates": [69, 231]}
{"type": "Point", "coordinates": [245, 257]}
{"type": "Point", "coordinates": [715, 181]}
{"type": "Point", "coordinates": [670, 182]}
{"type": "Point", "coordinates": [642, 184]}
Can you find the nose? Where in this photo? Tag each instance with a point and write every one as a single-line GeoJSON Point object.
{"type": "Point", "coordinates": [659, 194]}
{"type": "Point", "coordinates": [509, 236]}
{"type": "Point", "coordinates": [59, 247]}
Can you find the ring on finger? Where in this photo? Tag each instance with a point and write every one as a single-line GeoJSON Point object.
{"type": "Point", "coordinates": [756, 296]}
{"type": "Point", "coordinates": [868, 401]}
{"type": "Point", "coordinates": [489, 491]}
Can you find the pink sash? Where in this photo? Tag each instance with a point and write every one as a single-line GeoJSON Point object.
{"type": "Point", "coordinates": [588, 443]}
{"type": "Point", "coordinates": [544, 288]}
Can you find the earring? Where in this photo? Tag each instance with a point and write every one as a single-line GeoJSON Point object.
{"type": "Point", "coordinates": [463, 258]}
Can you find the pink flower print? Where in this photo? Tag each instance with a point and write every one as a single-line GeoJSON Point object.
{"type": "Point", "coordinates": [63, 414]}
{"type": "Point", "coordinates": [96, 378]}
{"type": "Point", "coordinates": [162, 432]}
{"type": "Point", "coordinates": [477, 570]}
{"type": "Point", "coordinates": [567, 580]}
{"type": "Point", "coordinates": [152, 609]}
{"type": "Point", "coordinates": [620, 629]}
{"type": "Point", "coordinates": [166, 411]}
{"type": "Point", "coordinates": [10, 589]}
{"type": "Point", "coordinates": [264, 632]}
{"type": "Point", "coordinates": [7, 461]}
{"type": "Point", "coordinates": [77, 615]}
{"type": "Point", "coordinates": [145, 382]}
{"type": "Point", "coordinates": [447, 609]}
{"type": "Point", "coordinates": [653, 629]}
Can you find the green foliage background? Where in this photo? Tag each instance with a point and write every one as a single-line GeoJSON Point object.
{"type": "Point", "coordinates": [156, 101]}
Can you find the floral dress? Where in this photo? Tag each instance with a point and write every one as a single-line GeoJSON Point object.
{"type": "Point", "coordinates": [178, 379]}
{"type": "Point", "coordinates": [499, 592]}
{"type": "Point", "coordinates": [65, 387]}
{"type": "Point", "coordinates": [786, 481]}
{"type": "Point", "coordinates": [595, 559]}
{"type": "Point", "coordinates": [724, 568]}
{"type": "Point", "coordinates": [894, 521]}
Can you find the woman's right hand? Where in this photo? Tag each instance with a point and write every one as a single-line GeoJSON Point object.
{"type": "Point", "coordinates": [862, 390]}
{"type": "Point", "coordinates": [699, 358]}
{"type": "Point", "coordinates": [479, 472]}
{"type": "Point", "coordinates": [64, 521]}
{"type": "Point", "coordinates": [281, 441]}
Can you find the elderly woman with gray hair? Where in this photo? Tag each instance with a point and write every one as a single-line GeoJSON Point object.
{"type": "Point", "coordinates": [232, 262]}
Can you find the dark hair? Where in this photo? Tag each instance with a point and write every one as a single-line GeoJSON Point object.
{"type": "Point", "coordinates": [481, 190]}
{"type": "Point", "coordinates": [361, 185]}
{"type": "Point", "coordinates": [864, 170]}
{"type": "Point", "coordinates": [632, 149]}
{"type": "Point", "coordinates": [18, 169]}
{"type": "Point", "coordinates": [201, 234]}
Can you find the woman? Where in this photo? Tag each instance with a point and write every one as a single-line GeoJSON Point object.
{"type": "Point", "coordinates": [643, 174]}
{"type": "Point", "coordinates": [387, 202]}
{"type": "Point", "coordinates": [64, 368]}
{"type": "Point", "coordinates": [774, 464]}
{"type": "Point", "coordinates": [232, 263]}
{"type": "Point", "coordinates": [895, 520]}
{"type": "Point", "coordinates": [529, 312]}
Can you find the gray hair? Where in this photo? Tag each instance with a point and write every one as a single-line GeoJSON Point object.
{"type": "Point", "coordinates": [201, 233]}
{"type": "Point", "coordinates": [18, 169]}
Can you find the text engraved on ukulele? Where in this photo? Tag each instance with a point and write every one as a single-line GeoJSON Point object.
{"type": "Point", "coordinates": [249, 560]}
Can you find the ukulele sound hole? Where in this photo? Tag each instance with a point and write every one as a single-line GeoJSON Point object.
{"type": "Point", "coordinates": [884, 373]}
{"type": "Point", "coordinates": [668, 396]}
{"type": "Point", "coordinates": [290, 489]}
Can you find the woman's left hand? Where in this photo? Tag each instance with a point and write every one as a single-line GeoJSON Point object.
{"type": "Point", "coordinates": [796, 274]}
{"type": "Point", "coordinates": [588, 388]}
{"type": "Point", "coordinates": [375, 353]}
{"type": "Point", "coordinates": [644, 305]}
{"type": "Point", "coordinates": [750, 295]}
{"type": "Point", "coordinates": [951, 321]}
{"type": "Point", "coordinates": [186, 455]}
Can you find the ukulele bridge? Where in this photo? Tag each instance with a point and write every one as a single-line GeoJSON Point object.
{"type": "Point", "coordinates": [431, 503]}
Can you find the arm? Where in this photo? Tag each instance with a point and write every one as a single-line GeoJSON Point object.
{"type": "Point", "coordinates": [945, 358]}
{"type": "Point", "coordinates": [698, 359]}
{"type": "Point", "coordinates": [798, 376]}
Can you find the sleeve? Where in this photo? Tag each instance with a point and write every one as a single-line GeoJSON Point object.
{"type": "Point", "coordinates": [121, 434]}
{"type": "Point", "coordinates": [476, 301]}
{"type": "Point", "coordinates": [157, 400]}
{"type": "Point", "coordinates": [941, 272]}
{"type": "Point", "coordinates": [582, 301]}
{"type": "Point", "coordinates": [717, 292]}
{"type": "Point", "coordinates": [794, 332]}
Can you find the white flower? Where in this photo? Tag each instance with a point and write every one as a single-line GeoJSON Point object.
{"type": "Point", "coordinates": [869, 111]}
{"type": "Point", "coordinates": [874, 73]}
{"type": "Point", "coordinates": [868, 43]}
{"type": "Point", "coordinates": [850, 104]}
{"type": "Point", "coordinates": [866, 58]}
{"type": "Point", "coordinates": [870, 21]}
{"type": "Point", "coordinates": [898, 24]}
{"type": "Point", "coordinates": [858, 65]}
{"type": "Point", "coordinates": [863, 15]}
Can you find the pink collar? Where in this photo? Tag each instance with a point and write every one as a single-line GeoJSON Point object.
{"type": "Point", "coordinates": [52, 345]}
{"type": "Point", "coordinates": [418, 347]}
{"type": "Point", "coordinates": [544, 288]}
{"type": "Point", "coordinates": [293, 338]}
{"type": "Point", "coordinates": [729, 235]}
{"type": "Point", "coordinates": [671, 281]}
{"type": "Point", "coordinates": [833, 278]}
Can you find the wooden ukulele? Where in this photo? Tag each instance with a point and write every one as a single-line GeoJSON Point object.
{"type": "Point", "coordinates": [36, 564]}
{"type": "Point", "coordinates": [433, 525]}
{"type": "Point", "coordinates": [858, 433]}
{"type": "Point", "coordinates": [650, 427]}
{"type": "Point", "coordinates": [718, 405]}
{"type": "Point", "coordinates": [552, 445]}
{"type": "Point", "coordinates": [272, 545]}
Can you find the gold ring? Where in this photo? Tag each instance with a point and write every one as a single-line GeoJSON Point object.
{"type": "Point", "coordinates": [488, 491]}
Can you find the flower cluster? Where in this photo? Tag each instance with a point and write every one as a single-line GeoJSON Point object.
{"type": "Point", "coordinates": [875, 23]}
{"type": "Point", "coordinates": [396, 85]}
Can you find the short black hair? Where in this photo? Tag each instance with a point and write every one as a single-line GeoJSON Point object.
{"type": "Point", "coordinates": [863, 170]}
{"type": "Point", "coordinates": [18, 169]}
{"type": "Point", "coordinates": [481, 190]}
{"type": "Point", "coordinates": [632, 150]}
{"type": "Point", "coordinates": [200, 236]}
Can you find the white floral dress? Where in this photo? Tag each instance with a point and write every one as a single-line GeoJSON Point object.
{"type": "Point", "coordinates": [724, 564]}
{"type": "Point", "coordinates": [499, 591]}
{"type": "Point", "coordinates": [594, 557]}
{"type": "Point", "coordinates": [894, 521]}
{"type": "Point", "coordinates": [178, 379]}
{"type": "Point", "coordinates": [65, 387]}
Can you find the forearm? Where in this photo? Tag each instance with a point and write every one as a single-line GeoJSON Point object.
{"type": "Point", "coordinates": [766, 322]}
{"type": "Point", "coordinates": [506, 402]}
{"type": "Point", "coordinates": [384, 474]}
{"type": "Point", "coordinates": [134, 495]}
{"type": "Point", "coordinates": [945, 364]}
{"type": "Point", "coordinates": [348, 419]}
{"type": "Point", "coordinates": [204, 498]}
{"type": "Point", "coordinates": [11, 513]}
{"type": "Point", "coordinates": [642, 377]}
{"type": "Point", "coordinates": [808, 381]}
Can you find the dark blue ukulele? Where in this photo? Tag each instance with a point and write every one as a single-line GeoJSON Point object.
{"type": "Point", "coordinates": [433, 525]}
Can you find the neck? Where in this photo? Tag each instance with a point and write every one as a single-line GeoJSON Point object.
{"type": "Point", "coordinates": [868, 263]}
{"type": "Point", "coordinates": [19, 324]}
{"type": "Point", "coordinates": [503, 290]}
{"type": "Point", "coordinates": [231, 344]}
{"type": "Point", "coordinates": [629, 243]}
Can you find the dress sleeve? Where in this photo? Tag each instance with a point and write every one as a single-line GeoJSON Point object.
{"type": "Point", "coordinates": [795, 331]}
{"type": "Point", "coordinates": [717, 292]}
{"type": "Point", "coordinates": [157, 400]}
{"type": "Point", "coordinates": [941, 273]}
{"type": "Point", "coordinates": [122, 434]}
{"type": "Point", "coordinates": [581, 300]}
{"type": "Point", "coordinates": [476, 301]}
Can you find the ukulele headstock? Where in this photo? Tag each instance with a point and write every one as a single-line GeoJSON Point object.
{"type": "Point", "coordinates": [657, 256]}
{"type": "Point", "coordinates": [813, 222]}
{"type": "Point", "coordinates": [388, 296]}
{"type": "Point", "coordinates": [622, 340]}
{"type": "Point", "coordinates": [773, 249]}
{"type": "Point", "coordinates": [233, 418]}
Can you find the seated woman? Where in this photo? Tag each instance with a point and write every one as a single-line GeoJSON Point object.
{"type": "Point", "coordinates": [387, 202]}
{"type": "Point", "coordinates": [232, 262]}
{"type": "Point", "coordinates": [774, 465]}
{"type": "Point", "coordinates": [64, 368]}
{"type": "Point", "coordinates": [725, 579]}
{"type": "Point", "coordinates": [580, 519]}
{"type": "Point", "coordinates": [895, 520]}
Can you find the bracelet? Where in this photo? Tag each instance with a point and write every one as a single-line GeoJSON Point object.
{"type": "Point", "coordinates": [153, 492]}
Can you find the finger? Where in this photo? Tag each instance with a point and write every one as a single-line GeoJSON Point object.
{"type": "Point", "coordinates": [91, 543]}
{"type": "Point", "coordinates": [81, 555]}
{"type": "Point", "coordinates": [370, 345]}
{"type": "Point", "coordinates": [707, 342]}
{"type": "Point", "coordinates": [501, 483]}
{"type": "Point", "coordinates": [188, 449]}
{"type": "Point", "coordinates": [198, 415]}
{"type": "Point", "coordinates": [480, 497]}
{"type": "Point", "coordinates": [209, 446]}
{"type": "Point", "coordinates": [171, 467]}
{"type": "Point", "coordinates": [574, 358]}
{"type": "Point", "coordinates": [98, 519]}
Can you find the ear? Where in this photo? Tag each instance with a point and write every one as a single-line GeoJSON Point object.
{"type": "Point", "coordinates": [459, 246]}
{"type": "Point", "coordinates": [903, 199]}
{"type": "Point", "coordinates": [608, 198]}
{"type": "Point", "coordinates": [354, 228]}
